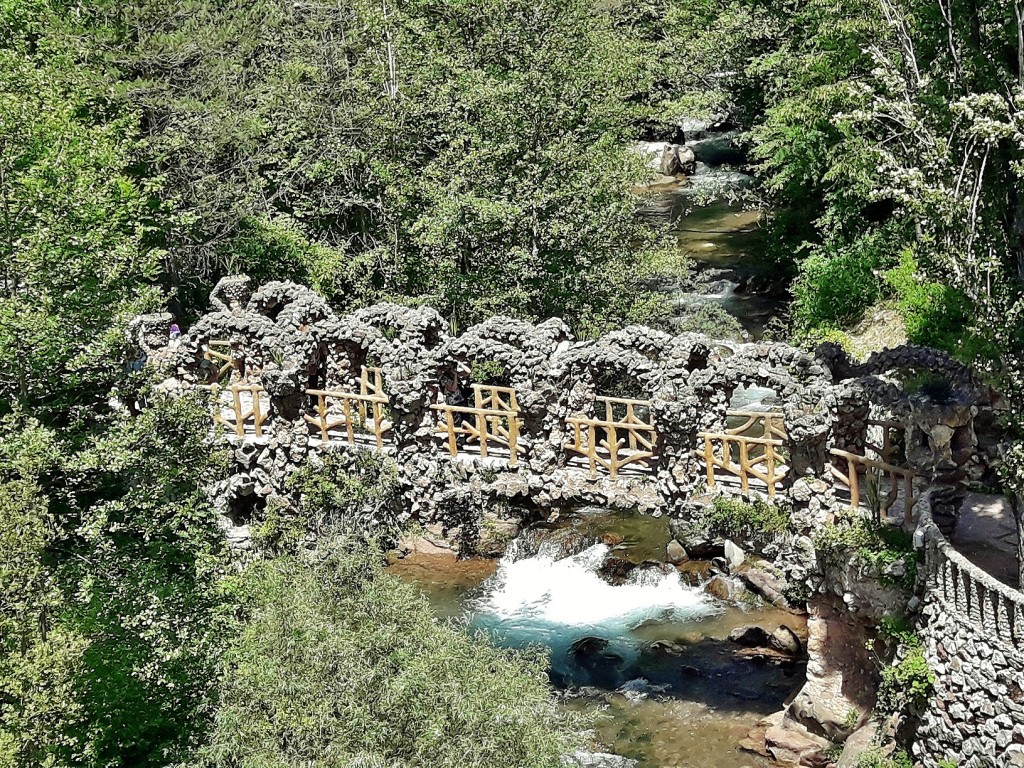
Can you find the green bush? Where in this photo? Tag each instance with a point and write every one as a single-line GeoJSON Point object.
{"type": "Point", "coordinates": [341, 664]}
{"type": "Point", "coordinates": [874, 758]}
{"type": "Point", "coordinates": [356, 492]}
{"type": "Point", "coordinates": [758, 521]}
{"type": "Point", "coordinates": [854, 538]}
{"type": "Point", "coordinates": [489, 372]}
{"type": "Point", "coordinates": [708, 318]}
{"type": "Point", "coordinates": [936, 315]}
{"type": "Point", "coordinates": [907, 684]}
{"type": "Point", "coordinates": [834, 289]}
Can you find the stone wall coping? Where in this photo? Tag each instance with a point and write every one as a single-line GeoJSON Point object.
{"type": "Point", "coordinates": [988, 581]}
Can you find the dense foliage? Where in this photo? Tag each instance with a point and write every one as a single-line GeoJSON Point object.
{"type": "Point", "coordinates": [473, 154]}
{"type": "Point", "coordinates": [341, 664]}
{"type": "Point", "coordinates": [111, 611]}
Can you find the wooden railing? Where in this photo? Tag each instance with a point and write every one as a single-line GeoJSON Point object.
{"type": "Point", "coordinates": [360, 412]}
{"type": "Point", "coordinates": [886, 449]}
{"type": "Point", "coordinates": [756, 457]}
{"type": "Point", "coordinates": [619, 439]}
{"type": "Point", "coordinates": [219, 353]}
{"type": "Point", "coordinates": [898, 477]}
{"type": "Point", "coordinates": [245, 413]}
{"type": "Point", "coordinates": [493, 418]}
{"type": "Point", "coordinates": [769, 425]}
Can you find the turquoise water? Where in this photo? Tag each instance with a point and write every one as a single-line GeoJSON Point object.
{"type": "Point", "coordinates": [647, 650]}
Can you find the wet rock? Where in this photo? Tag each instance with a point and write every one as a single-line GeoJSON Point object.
{"type": "Point", "coordinates": [785, 640]}
{"type": "Point", "coordinates": [427, 543]}
{"type": "Point", "coordinates": [612, 539]}
{"type": "Point", "coordinates": [676, 552]}
{"type": "Point", "coordinates": [790, 743]}
{"type": "Point", "coordinates": [750, 636]}
{"type": "Point", "coordinates": [592, 656]}
{"type": "Point", "coordinates": [859, 742]}
{"type": "Point", "coordinates": [767, 584]}
{"type": "Point", "coordinates": [588, 646]}
{"type": "Point", "coordinates": [729, 589]}
{"type": "Point", "coordinates": [614, 570]}
{"type": "Point", "coordinates": [664, 647]}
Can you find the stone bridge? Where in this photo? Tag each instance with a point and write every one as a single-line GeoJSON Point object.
{"type": "Point", "coordinates": [635, 419]}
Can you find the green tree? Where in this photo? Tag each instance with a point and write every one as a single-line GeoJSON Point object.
{"type": "Point", "coordinates": [74, 264]}
{"type": "Point", "coordinates": [468, 154]}
{"type": "Point", "coordinates": [341, 664]}
{"type": "Point", "coordinates": [112, 613]}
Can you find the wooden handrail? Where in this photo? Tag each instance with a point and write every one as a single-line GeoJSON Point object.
{"type": "Point", "coordinates": [487, 427]}
{"type": "Point", "coordinates": [775, 470]}
{"type": "Point", "coordinates": [369, 403]}
{"type": "Point", "coordinates": [242, 414]}
{"type": "Point", "coordinates": [593, 437]}
{"type": "Point", "coordinates": [886, 449]}
{"type": "Point", "coordinates": [772, 423]}
{"type": "Point", "coordinates": [211, 353]}
{"type": "Point", "coordinates": [851, 479]}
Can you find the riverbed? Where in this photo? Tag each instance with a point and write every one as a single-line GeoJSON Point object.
{"type": "Point", "coordinates": [722, 241]}
{"type": "Point", "coordinates": [647, 651]}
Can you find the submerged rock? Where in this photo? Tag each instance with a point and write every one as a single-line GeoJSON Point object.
{"type": "Point", "coordinates": [729, 589]}
{"type": "Point", "coordinates": [750, 636]}
{"type": "Point", "coordinates": [614, 570]}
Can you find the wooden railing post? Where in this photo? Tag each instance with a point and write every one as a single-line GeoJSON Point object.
{"type": "Point", "coordinates": [854, 478]}
{"type": "Point", "coordinates": [453, 446]}
{"type": "Point", "coordinates": [709, 460]}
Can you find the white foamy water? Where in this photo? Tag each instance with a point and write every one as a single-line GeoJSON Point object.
{"type": "Point", "coordinates": [545, 595]}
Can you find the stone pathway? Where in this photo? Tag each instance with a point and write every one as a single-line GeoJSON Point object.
{"type": "Point", "coordinates": [986, 534]}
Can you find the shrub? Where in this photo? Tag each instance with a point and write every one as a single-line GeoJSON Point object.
{"type": "Point", "coordinates": [936, 315]}
{"type": "Point", "coordinates": [834, 288]}
{"type": "Point", "coordinates": [356, 492]}
{"type": "Point", "coordinates": [488, 372]}
{"type": "Point", "coordinates": [874, 758]}
{"type": "Point", "coordinates": [758, 521]}
{"type": "Point", "coordinates": [854, 538]}
{"type": "Point", "coordinates": [907, 684]}
{"type": "Point", "coordinates": [707, 318]}
{"type": "Point", "coordinates": [341, 664]}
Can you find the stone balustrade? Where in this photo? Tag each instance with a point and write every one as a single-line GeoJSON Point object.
{"type": "Point", "coordinates": [972, 626]}
{"type": "Point", "coordinates": [309, 361]}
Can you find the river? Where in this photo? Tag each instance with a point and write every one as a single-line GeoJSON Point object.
{"type": "Point", "coordinates": [646, 652]}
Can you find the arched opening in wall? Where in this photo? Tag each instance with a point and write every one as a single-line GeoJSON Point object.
{"type": "Point", "coordinates": [751, 397]}
{"type": "Point", "coordinates": [613, 431]}
{"type": "Point", "coordinates": [747, 400]}
{"type": "Point", "coordinates": [244, 508]}
{"type": "Point", "coordinates": [614, 382]}
{"type": "Point", "coordinates": [350, 404]}
{"type": "Point", "coordinates": [489, 373]}
{"type": "Point", "coordinates": [961, 441]}
{"type": "Point", "coordinates": [749, 452]}
{"type": "Point", "coordinates": [476, 410]}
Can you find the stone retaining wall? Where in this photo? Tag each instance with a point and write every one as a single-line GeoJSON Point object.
{"type": "Point", "coordinates": [973, 627]}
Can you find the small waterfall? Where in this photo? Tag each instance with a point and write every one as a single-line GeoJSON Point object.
{"type": "Point", "coordinates": [542, 595]}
